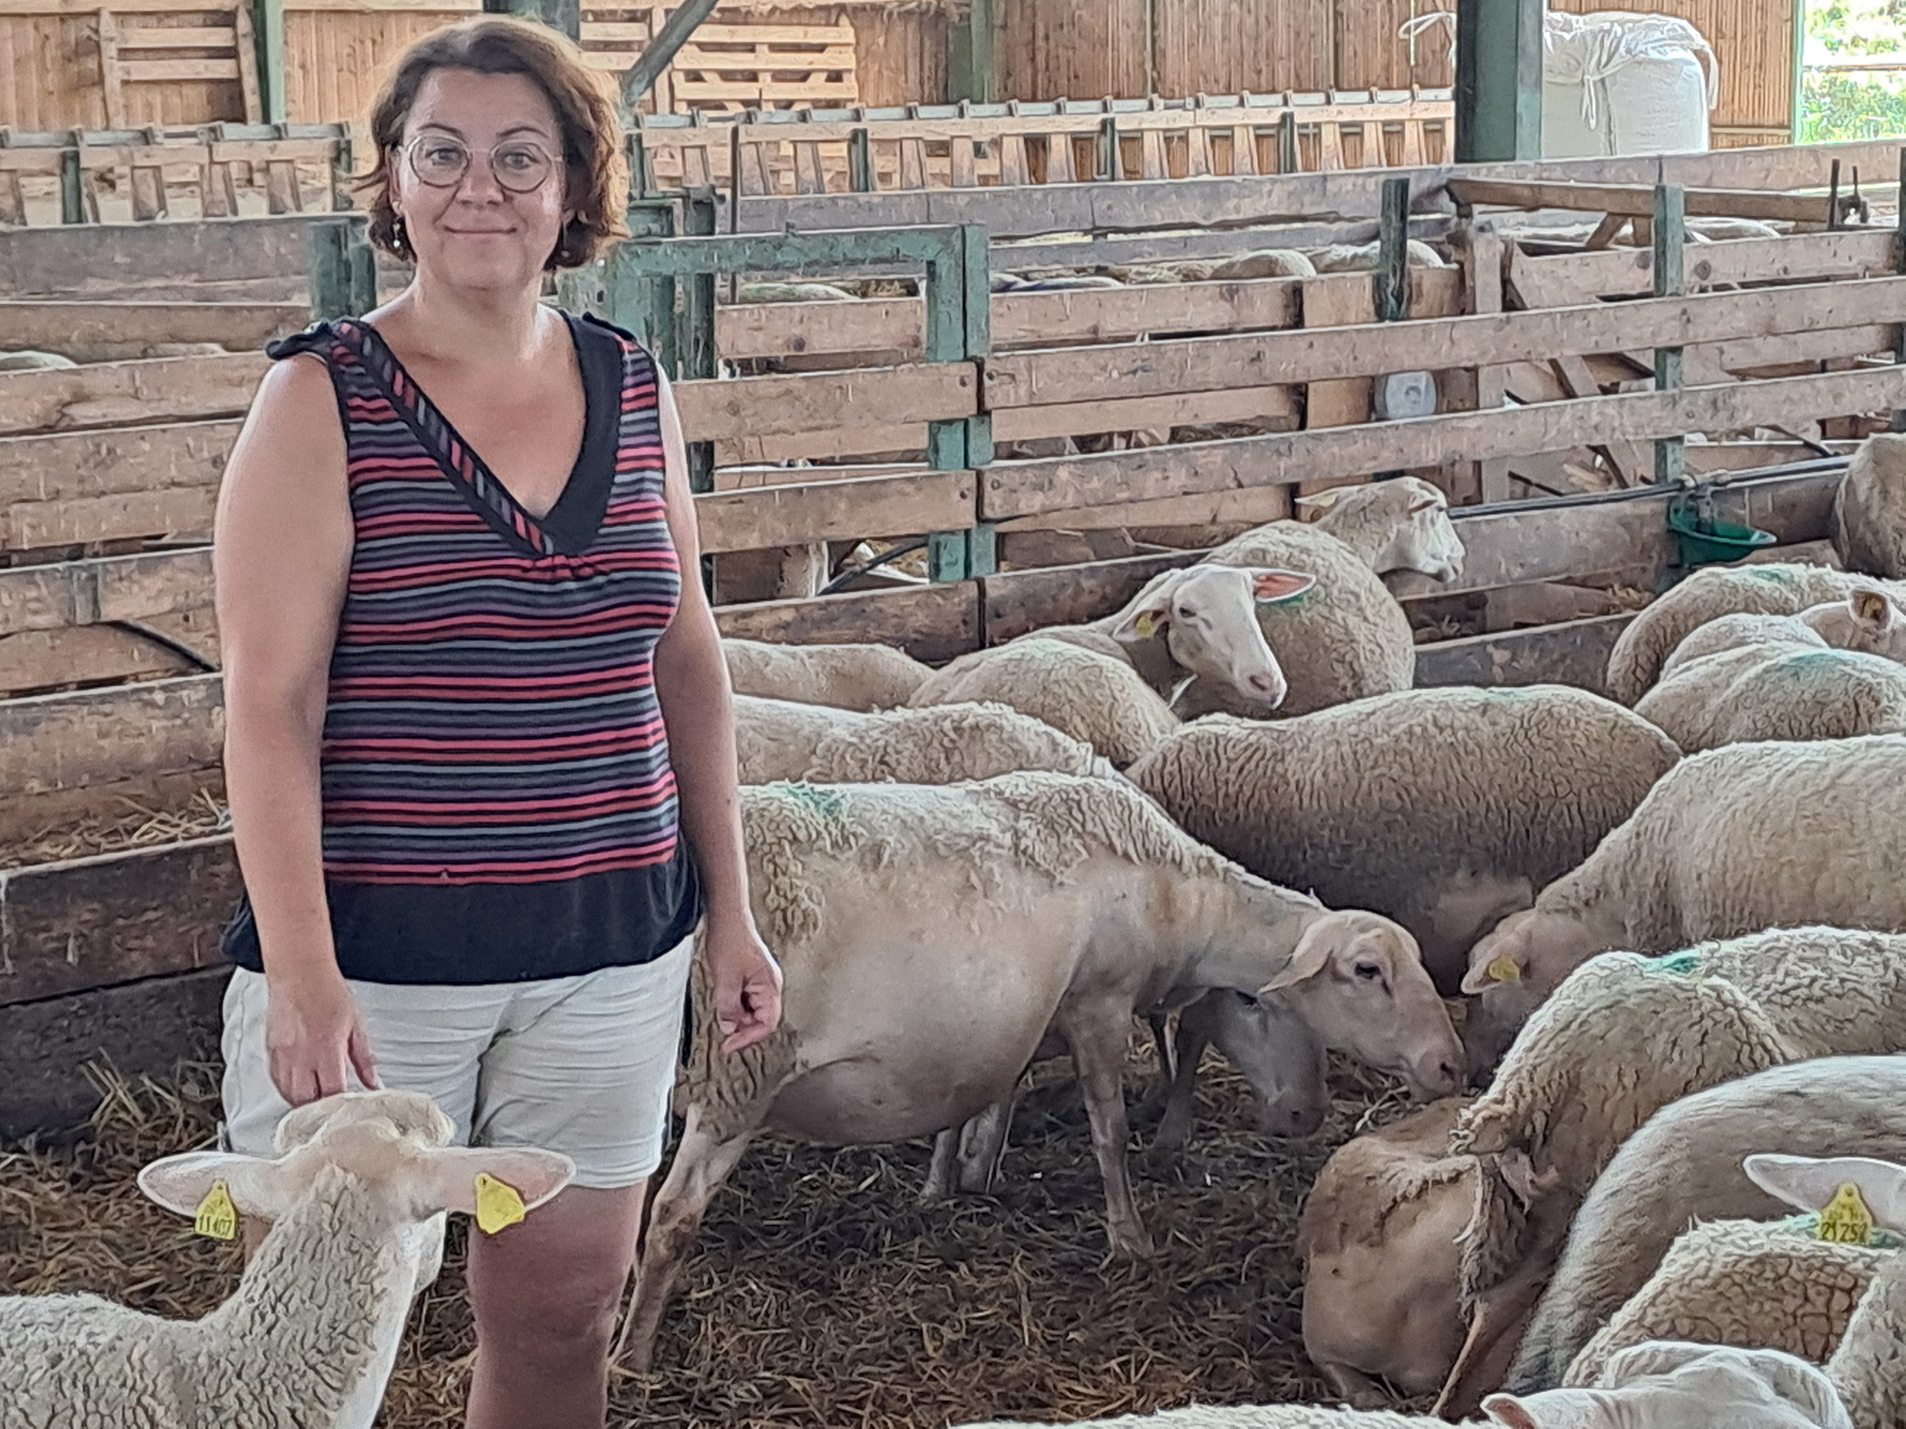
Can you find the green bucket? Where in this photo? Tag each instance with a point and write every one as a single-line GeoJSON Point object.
{"type": "Point", "coordinates": [1705, 541]}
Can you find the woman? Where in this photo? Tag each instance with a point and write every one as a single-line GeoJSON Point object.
{"type": "Point", "coordinates": [479, 746]}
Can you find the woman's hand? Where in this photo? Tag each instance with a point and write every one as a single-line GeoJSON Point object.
{"type": "Point", "coordinates": [746, 981]}
{"type": "Point", "coordinates": [315, 1037]}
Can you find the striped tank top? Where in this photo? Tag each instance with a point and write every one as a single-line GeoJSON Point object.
{"type": "Point", "coordinates": [498, 802]}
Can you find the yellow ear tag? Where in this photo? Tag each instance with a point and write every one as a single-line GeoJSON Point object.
{"type": "Point", "coordinates": [1146, 625]}
{"type": "Point", "coordinates": [497, 1204]}
{"type": "Point", "coordinates": [1505, 969]}
{"type": "Point", "coordinates": [217, 1217]}
{"type": "Point", "coordinates": [1846, 1219]}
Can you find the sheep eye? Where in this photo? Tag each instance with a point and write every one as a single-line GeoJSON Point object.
{"type": "Point", "coordinates": [1369, 971]}
{"type": "Point", "coordinates": [1186, 613]}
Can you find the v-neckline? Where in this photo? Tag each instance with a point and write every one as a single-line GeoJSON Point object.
{"type": "Point", "coordinates": [466, 467]}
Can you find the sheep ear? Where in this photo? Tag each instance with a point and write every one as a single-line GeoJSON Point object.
{"type": "Point", "coordinates": [1310, 958]}
{"type": "Point", "coordinates": [1425, 503]}
{"type": "Point", "coordinates": [1486, 969]}
{"type": "Point", "coordinates": [1269, 585]}
{"type": "Point", "coordinates": [1870, 608]}
{"type": "Point", "coordinates": [1811, 1183]}
{"type": "Point", "coordinates": [531, 1174]}
{"type": "Point", "coordinates": [1320, 500]}
{"type": "Point", "coordinates": [1510, 1412]}
{"type": "Point", "coordinates": [1149, 611]}
{"type": "Point", "coordinates": [181, 1183]}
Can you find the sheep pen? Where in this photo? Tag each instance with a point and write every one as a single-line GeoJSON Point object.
{"type": "Point", "coordinates": [820, 1292]}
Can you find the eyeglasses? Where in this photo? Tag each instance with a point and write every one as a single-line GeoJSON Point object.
{"type": "Point", "coordinates": [518, 165]}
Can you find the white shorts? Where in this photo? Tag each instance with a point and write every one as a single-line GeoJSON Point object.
{"type": "Point", "coordinates": [581, 1065]}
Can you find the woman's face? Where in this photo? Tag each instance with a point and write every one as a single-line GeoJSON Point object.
{"type": "Point", "coordinates": [475, 231]}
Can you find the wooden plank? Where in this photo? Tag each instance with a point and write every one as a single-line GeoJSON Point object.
{"type": "Point", "coordinates": [176, 37]}
{"type": "Point", "coordinates": [114, 331]}
{"type": "Point", "coordinates": [823, 401]}
{"type": "Point", "coordinates": [55, 743]}
{"type": "Point", "coordinates": [1637, 201]}
{"type": "Point", "coordinates": [758, 517]}
{"type": "Point", "coordinates": [1018, 319]}
{"type": "Point", "coordinates": [1574, 653]}
{"type": "Point", "coordinates": [1563, 280]}
{"type": "Point", "coordinates": [107, 394]}
{"type": "Point", "coordinates": [118, 460]}
{"type": "Point", "coordinates": [1238, 404]}
{"type": "Point", "coordinates": [169, 512]}
{"type": "Point", "coordinates": [1216, 509]}
{"type": "Point", "coordinates": [1338, 300]}
{"type": "Point", "coordinates": [1025, 488]}
{"type": "Point", "coordinates": [139, 1029]}
{"type": "Point", "coordinates": [94, 922]}
{"type": "Point", "coordinates": [1018, 602]}
{"type": "Point", "coordinates": [1474, 340]}
{"type": "Point", "coordinates": [933, 622]}
{"type": "Point", "coordinates": [47, 659]}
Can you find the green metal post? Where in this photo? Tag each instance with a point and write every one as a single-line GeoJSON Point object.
{"type": "Point", "coordinates": [972, 63]}
{"type": "Point", "coordinates": [642, 305]}
{"type": "Point", "coordinates": [946, 335]}
{"type": "Point", "coordinates": [976, 273]}
{"type": "Point", "coordinates": [1899, 266]}
{"type": "Point", "coordinates": [1109, 165]}
{"type": "Point", "coordinates": [676, 29]}
{"type": "Point", "coordinates": [860, 161]}
{"type": "Point", "coordinates": [268, 31]}
{"type": "Point", "coordinates": [72, 195]}
{"type": "Point", "coordinates": [343, 269]}
{"type": "Point", "coordinates": [1287, 142]}
{"type": "Point", "coordinates": [698, 356]}
{"type": "Point", "coordinates": [1498, 80]}
{"type": "Point", "coordinates": [1670, 240]}
{"type": "Point", "coordinates": [1393, 234]}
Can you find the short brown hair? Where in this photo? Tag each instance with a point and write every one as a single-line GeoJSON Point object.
{"type": "Point", "coordinates": [596, 170]}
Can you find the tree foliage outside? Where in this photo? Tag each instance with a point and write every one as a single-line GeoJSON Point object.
{"type": "Point", "coordinates": [1862, 104]}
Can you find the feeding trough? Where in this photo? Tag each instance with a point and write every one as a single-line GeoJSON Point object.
{"type": "Point", "coordinates": [1705, 540]}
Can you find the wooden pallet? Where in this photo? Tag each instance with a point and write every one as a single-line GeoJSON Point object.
{"type": "Point", "coordinates": [725, 69]}
{"type": "Point", "coordinates": [134, 50]}
{"type": "Point", "coordinates": [969, 146]}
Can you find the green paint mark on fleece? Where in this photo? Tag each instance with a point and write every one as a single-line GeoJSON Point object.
{"type": "Point", "coordinates": [1684, 964]}
{"type": "Point", "coordinates": [817, 799]}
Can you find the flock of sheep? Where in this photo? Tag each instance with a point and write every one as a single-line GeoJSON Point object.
{"type": "Point", "coordinates": [1666, 929]}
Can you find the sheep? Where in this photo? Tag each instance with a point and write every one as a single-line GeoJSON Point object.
{"type": "Point", "coordinates": [1869, 508]}
{"type": "Point", "coordinates": [1377, 1242]}
{"type": "Point", "coordinates": [1841, 1301]}
{"type": "Point", "coordinates": [1197, 622]}
{"type": "Point", "coordinates": [1264, 263]}
{"type": "Point", "coordinates": [1660, 1385]}
{"type": "Point", "coordinates": [1683, 1164]}
{"type": "Point", "coordinates": [785, 739]}
{"type": "Point", "coordinates": [1445, 809]}
{"type": "Point", "coordinates": [1268, 1042]}
{"type": "Point", "coordinates": [1625, 1035]}
{"type": "Point", "coordinates": [853, 677]}
{"type": "Point", "coordinates": [1730, 841]}
{"type": "Point", "coordinates": [792, 293]}
{"type": "Point", "coordinates": [1776, 588]}
{"type": "Point", "coordinates": [1096, 698]}
{"type": "Point", "coordinates": [1364, 257]}
{"type": "Point", "coordinates": [1775, 692]}
{"type": "Point", "coordinates": [356, 1198]}
{"type": "Point", "coordinates": [933, 939]}
{"type": "Point", "coordinates": [1866, 620]}
{"type": "Point", "coordinates": [1346, 637]}
{"type": "Point", "coordinates": [27, 360]}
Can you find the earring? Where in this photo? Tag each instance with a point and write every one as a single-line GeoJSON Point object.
{"type": "Point", "coordinates": [399, 234]}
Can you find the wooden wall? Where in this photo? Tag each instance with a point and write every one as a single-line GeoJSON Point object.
{"type": "Point", "coordinates": [49, 66]}
{"type": "Point", "coordinates": [336, 51]}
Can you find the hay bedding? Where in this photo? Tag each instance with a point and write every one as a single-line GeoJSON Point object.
{"type": "Point", "coordinates": [821, 1295]}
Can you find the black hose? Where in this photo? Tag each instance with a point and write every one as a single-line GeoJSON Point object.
{"type": "Point", "coordinates": [880, 560]}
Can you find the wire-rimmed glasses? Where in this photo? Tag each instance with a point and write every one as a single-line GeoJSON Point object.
{"type": "Point", "coordinates": [519, 165]}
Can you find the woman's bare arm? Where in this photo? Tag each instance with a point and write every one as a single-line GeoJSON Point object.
{"type": "Point", "coordinates": [691, 682]}
{"type": "Point", "coordinates": [281, 556]}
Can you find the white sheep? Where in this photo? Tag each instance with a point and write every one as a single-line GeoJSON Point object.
{"type": "Point", "coordinates": [849, 676]}
{"type": "Point", "coordinates": [356, 1199]}
{"type": "Point", "coordinates": [1839, 1301]}
{"type": "Point", "coordinates": [943, 744]}
{"type": "Point", "coordinates": [1684, 1164]}
{"type": "Point", "coordinates": [1096, 698]}
{"type": "Point", "coordinates": [1346, 637]}
{"type": "Point", "coordinates": [1766, 692]}
{"type": "Point", "coordinates": [934, 938]}
{"type": "Point", "coordinates": [1785, 588]}
{"type": "Point", "coordinates": [1285, 1065]}
{"type": "Point", "coordinates": [1661, 1385]}
{"type": "Point", "coordinates": [1364, 257]}
{"type": "Point", "coordinates": [1445, 809]}
{"type": "Point", "coordinates": [1730, 841]}
{"type": "Point", "coordinates": [28, 360]}
{"type": "Point", "coordinates": [1196, 622]}
{"type": "Point", "coordinates": [1263, 263]}
{"type": "Point", "coordinates": [1866, 620]}
{"type": "Point", "coordinates": [1869, 508]}
{"type": "Point", "coordinates": [1378, 1244]}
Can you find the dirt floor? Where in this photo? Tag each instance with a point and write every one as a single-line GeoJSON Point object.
{"type": "Point", "coordinates": [822, 1295]}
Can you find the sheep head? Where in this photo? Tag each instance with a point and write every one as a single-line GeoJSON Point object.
{"type": "Point", "coordinates": [1690, 1386]}
{"type": "Point", "coordinates": [1207, 616]}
